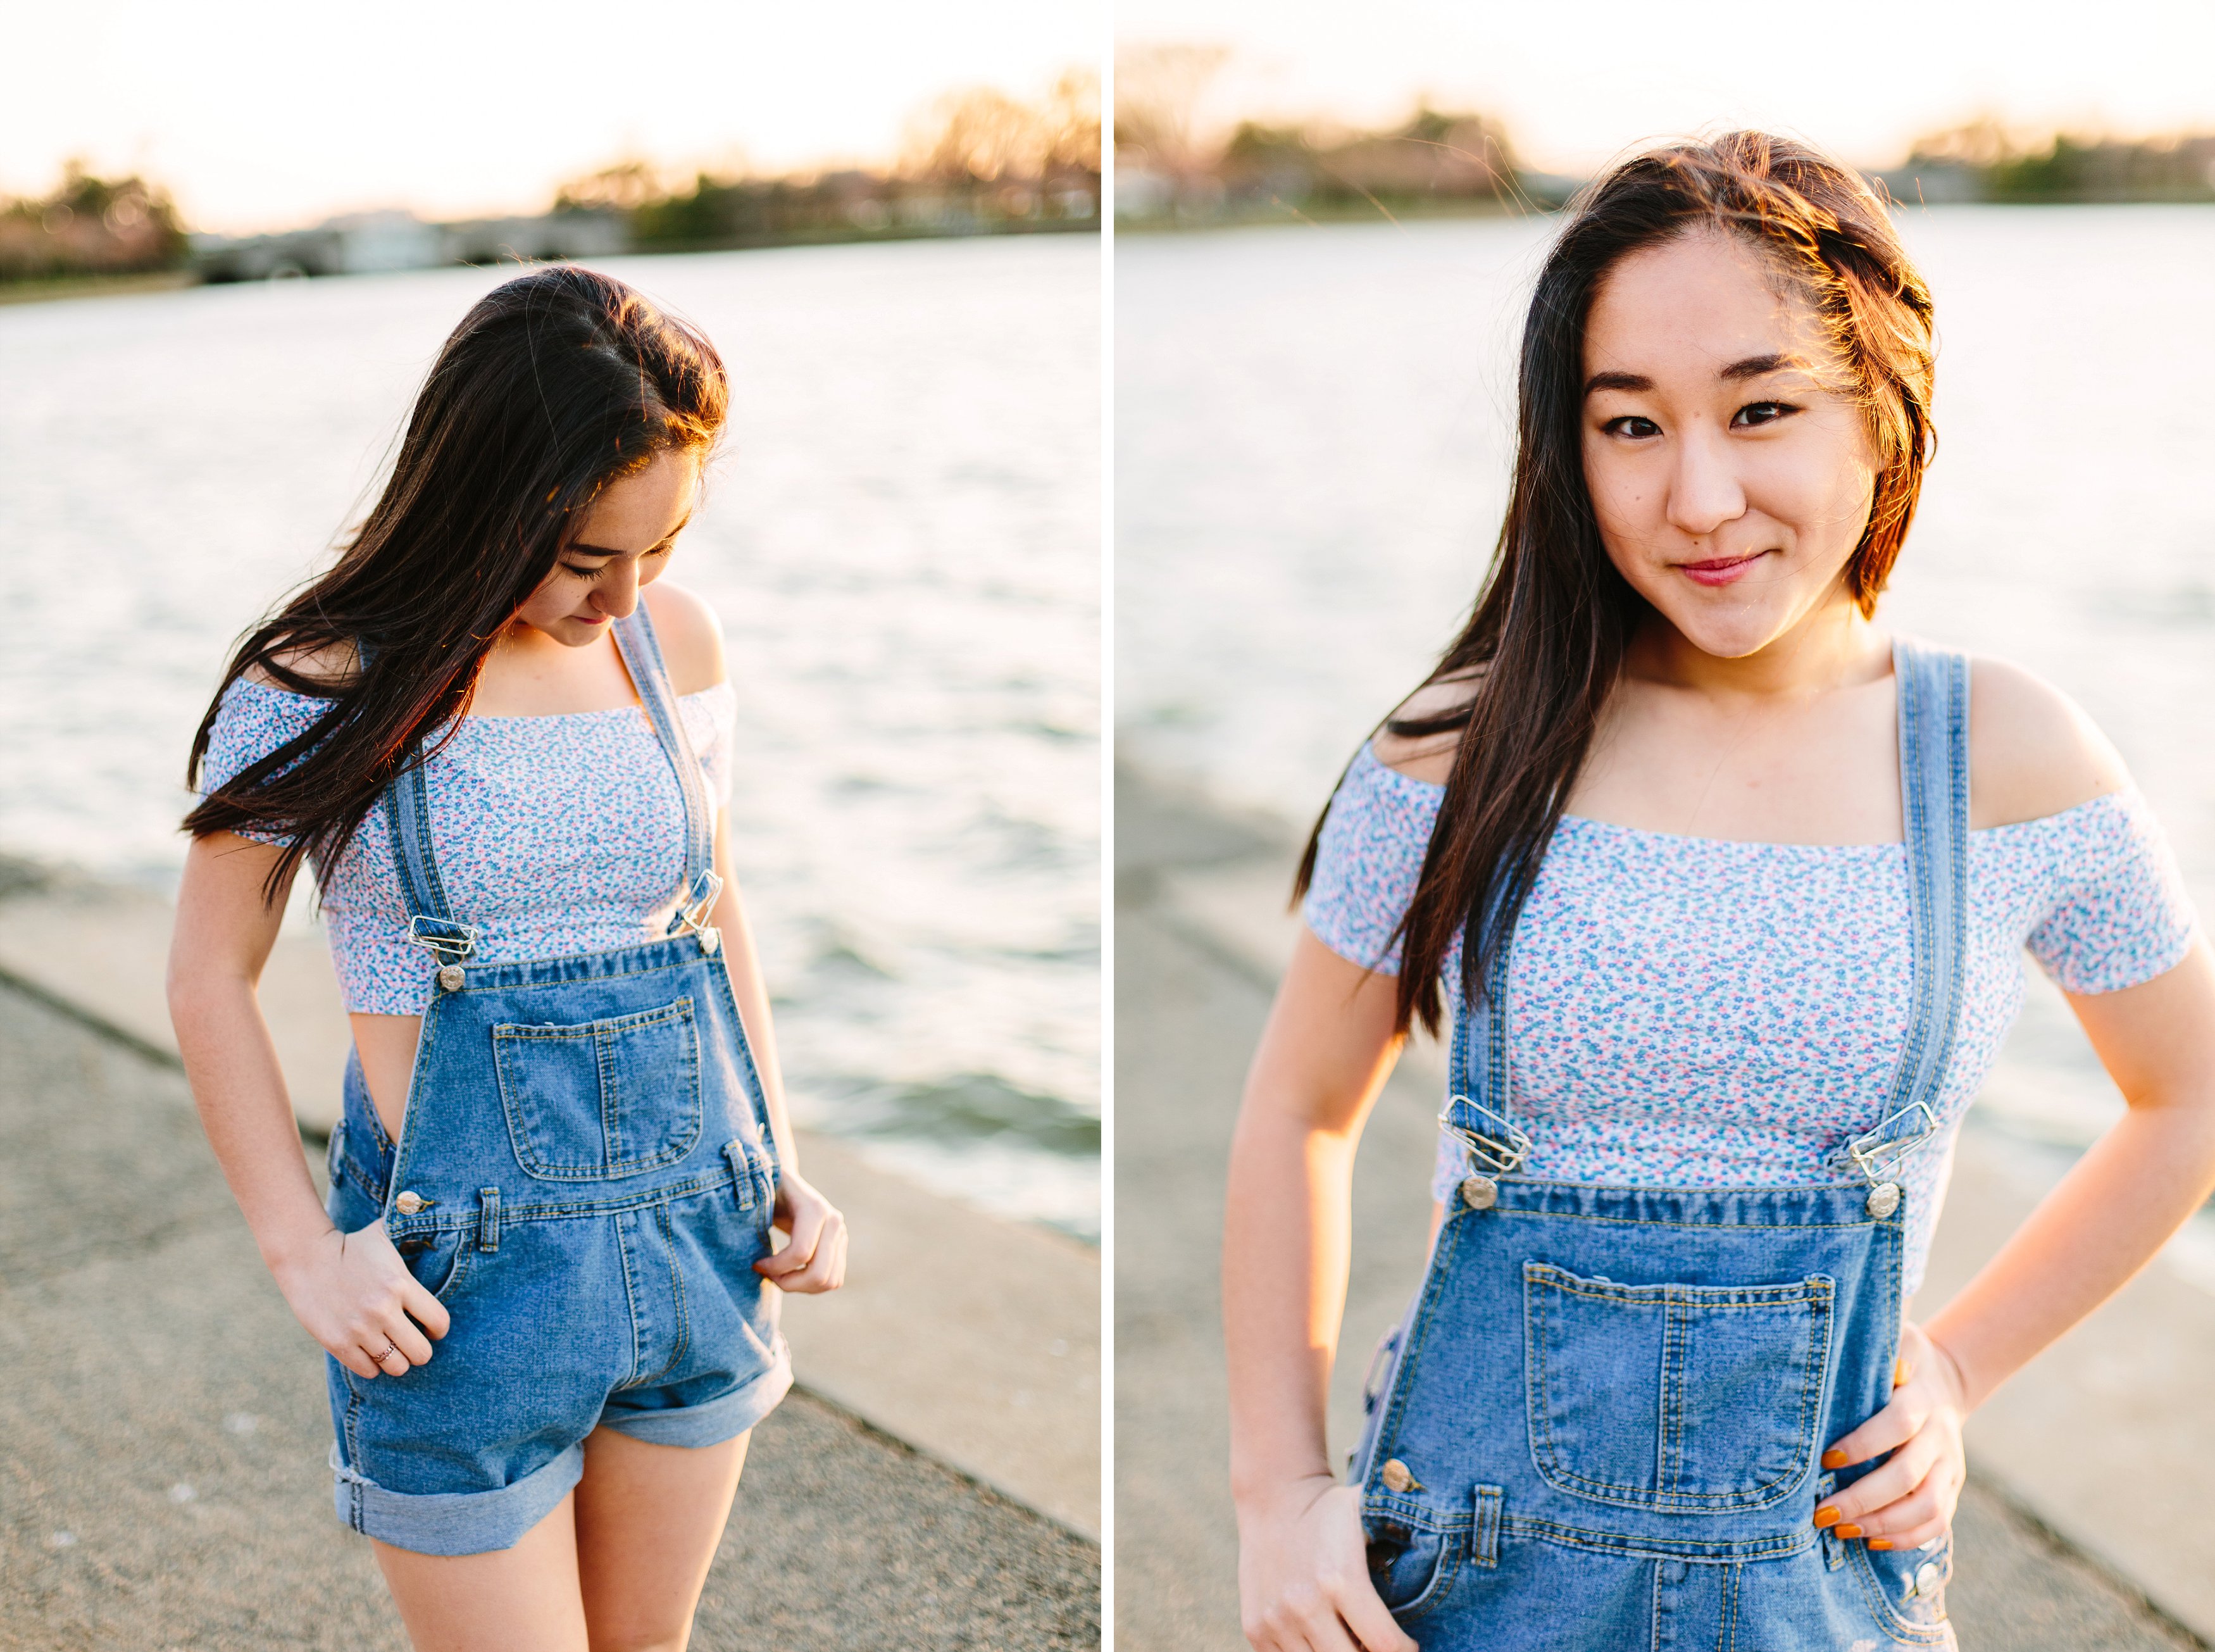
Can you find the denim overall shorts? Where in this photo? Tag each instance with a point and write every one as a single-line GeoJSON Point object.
{"type": "Point", "coordinates": [584, 1178]}
{"type": "Point", "coordinates": [1599, 1424]}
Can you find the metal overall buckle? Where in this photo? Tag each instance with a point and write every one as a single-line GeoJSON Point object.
{"type": "Point", "coordinates": [1491, 1156]}
{"type": "Point", "coordinates": [448, 943]}
{"type": "Point", "coordinates": [1879, 1156]}
{"type": "Point", "coordinates": [692, 916]}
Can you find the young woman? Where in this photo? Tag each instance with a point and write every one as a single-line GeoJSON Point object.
{"type": "Point", "coordinates": [1727, 892]}
{"type": "Point", "coordinates": [543, 1274]}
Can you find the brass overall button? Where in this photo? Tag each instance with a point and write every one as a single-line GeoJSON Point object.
{"type": "Point", "coordinates": [1395, 1474]}
{"type": "Point", "coordinates": [451, 978]}
{"type": "Point", "coordinates": [1479, 1193]}
{"type": "Point", "coordinates": [1883, 1200]}
{"type": "Point", "coordinates": [409, 1203]}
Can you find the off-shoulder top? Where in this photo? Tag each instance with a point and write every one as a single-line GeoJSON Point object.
{"type": "Point", "coordinates": [553, 835]}
{"type": "Point", "coordinates": [1697, 1013]}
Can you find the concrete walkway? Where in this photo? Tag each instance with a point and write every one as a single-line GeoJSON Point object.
{"type": "Point", "coordinates": [973, 1339]}
{"type": "Point", "coordinates": [162, 1429]}
{"type": "Point", "coordinates": [1200, 937]}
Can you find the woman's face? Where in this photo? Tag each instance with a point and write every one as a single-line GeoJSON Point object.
{"type": "Point", "coordinates": [1731, 485]}
{"type": "Point", "coordinates": [623, 541]}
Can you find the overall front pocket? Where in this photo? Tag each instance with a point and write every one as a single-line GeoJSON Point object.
{"type": "Point", "coordinates": [602, 1098]}
{"type": "Point", "coordinates": [1696, 1399]}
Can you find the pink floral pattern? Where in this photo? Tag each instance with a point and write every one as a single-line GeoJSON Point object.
{"type": "Point", "coordinates": [1692, 1012]}
{"type": "Point", "coordinates": [555, 835]}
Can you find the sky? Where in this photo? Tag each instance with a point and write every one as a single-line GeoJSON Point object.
{"type": "Point", "coordinates": [257, 114]}
{"type": "Point", "coordinates": [1577, 81]}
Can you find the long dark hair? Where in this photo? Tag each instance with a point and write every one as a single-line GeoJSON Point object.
{"type": "Point", "coordinates": [1545, 642]}
{"type": "Point", "coordinates": [554, 384]}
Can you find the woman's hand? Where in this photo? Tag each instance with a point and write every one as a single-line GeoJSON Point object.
{"type": "Point", "coordinates": [356, 1296]}
{"type": "Point", "coordinates": [813, 1259]}
{"type": "Point", "coordinates": [1910, 1501]}
{"type": "Point", "coordinates": [1304, 1575]}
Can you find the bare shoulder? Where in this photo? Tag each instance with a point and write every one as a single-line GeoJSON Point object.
{"type": "Point", "coordinates": [324, 663]}
{"type": "Point", "coordinates": [1427, 757]}
{"type": "Point", "coordinates": [2032, 750]}
{"type": "Point", "coordinates": [690, 633]}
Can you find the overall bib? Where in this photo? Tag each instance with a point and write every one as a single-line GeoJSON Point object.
{"type": "Point", "coordinates": [1598, 1425]}
{"type": "Point", "coordinates": [584, 1177]}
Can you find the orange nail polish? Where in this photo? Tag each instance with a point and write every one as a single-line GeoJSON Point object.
{"type": "Point", "coordinates": [1826, 1516]}
{"type": "Point", "coordinates": [1834, 1459]}
{"type": "Point", "coordinates": [1846, 1531]}
{"type": "Point", "coordinates": [1879, 1543]}
{"type": "Point", "coordinates": [1900, 1372]}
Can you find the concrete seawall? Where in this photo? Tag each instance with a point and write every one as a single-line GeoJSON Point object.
{"type": "Point", "coordinates": [973, 1338]}
{"type": "Point", "coordinates": [2089, 1520]}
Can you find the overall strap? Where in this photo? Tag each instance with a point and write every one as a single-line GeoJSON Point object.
{"type": "Point", "coordinates": [642, 656]}
{"type": "Point", "coordinates": [1477, 1112]}
{"type": "Point", "coordinates": [1932, 686]}
{"type": "Point", "coordinates": [431, 921]}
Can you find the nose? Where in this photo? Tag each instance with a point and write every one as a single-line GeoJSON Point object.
{"type": "Point", "coordinates": [617, 593]}
{"type": "Point", "coordinates": [1704, 491]}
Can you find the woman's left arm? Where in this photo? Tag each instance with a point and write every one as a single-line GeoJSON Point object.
{"type": "Point", "coordinates": [813, 1258]}
{"type": "Point", "coordinates": [2117, 1206]}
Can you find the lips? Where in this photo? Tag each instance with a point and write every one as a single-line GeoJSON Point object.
{"type": "Point", "coordinates": [1719, 570]}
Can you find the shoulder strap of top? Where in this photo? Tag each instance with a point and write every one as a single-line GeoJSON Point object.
{"type": "Point", "coordinates": [642, 656]}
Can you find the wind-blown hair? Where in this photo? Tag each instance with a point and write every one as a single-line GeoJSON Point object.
{"type": "Point", "coordinates": [554, 384]}
{"type": "Point", "coordinates": [1544, 644]}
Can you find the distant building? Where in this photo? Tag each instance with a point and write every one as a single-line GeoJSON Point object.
{"type": "Point", "coordinates": [363, 244]}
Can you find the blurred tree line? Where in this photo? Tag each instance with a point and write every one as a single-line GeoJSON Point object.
{"type": "Point", "coordinates": [1167, 170]}
{"type": "Point", "coordinates": [977, 161]}
{"type": "Point", "coordinates": [90, 225]}
{"type": "Point", "coordinates": [1982, 161]}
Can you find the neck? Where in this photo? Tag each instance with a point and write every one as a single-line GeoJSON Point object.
{"type": "Point", "coordinates": [1830, 647]}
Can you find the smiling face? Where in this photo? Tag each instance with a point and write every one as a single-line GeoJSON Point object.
{"type": "Point", "coordinates": [1730, 468]}
{"type": "Point", "coordinates": [622, 542]}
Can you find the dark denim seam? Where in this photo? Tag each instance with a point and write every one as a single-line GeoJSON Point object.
{"type": "Point", "coordinates": [684, 1340]}
{"type": "Point", "coordinates": [630, 1309]}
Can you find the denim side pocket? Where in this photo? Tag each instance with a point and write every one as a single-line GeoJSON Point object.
{"type": "Point", "coordinates": [1906, 1589]}
{"type": "Point", "coordinates": [601, 1099]}
{"type": "Point", "coordinates": [437, 1260]}
{"type": "Point", "coordinates": [1682, 1398]}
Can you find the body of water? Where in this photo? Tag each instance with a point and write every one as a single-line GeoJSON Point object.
{"type": "Point", "coordinates": [902, 537]}
{"type": "Point", "coordinates": [1313, 433]}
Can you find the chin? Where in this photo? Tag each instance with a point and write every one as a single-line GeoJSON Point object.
{"type": "Point", "coordinates": [1730, 633]}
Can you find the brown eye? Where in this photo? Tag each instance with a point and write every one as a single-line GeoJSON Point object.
{"type": "Point", "coordinates": [1761, 413]}
{"type": "Point", "coordinates": [1635, 425]}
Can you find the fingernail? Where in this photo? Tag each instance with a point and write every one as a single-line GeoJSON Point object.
{"type": "Point", "coordinates": [1879, 1543]}
{"type": "Point", "coordinates": [1834, 1459]}
{"type": "Point", "coordinates": [1826, 1516]}
{"type": "Point", "coordinates": [1847, 1532]}
{"type": "Point", "coordinates": [1900, 1372]}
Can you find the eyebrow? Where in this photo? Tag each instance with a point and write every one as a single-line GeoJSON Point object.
{"type": "Point", "coordinates": [1751, 367]}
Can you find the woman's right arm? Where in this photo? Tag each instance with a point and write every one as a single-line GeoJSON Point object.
{"type": "Point", "coordinates": [1330, 1043]}
{"type": "Point", "coordinates": [351, 1291]}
